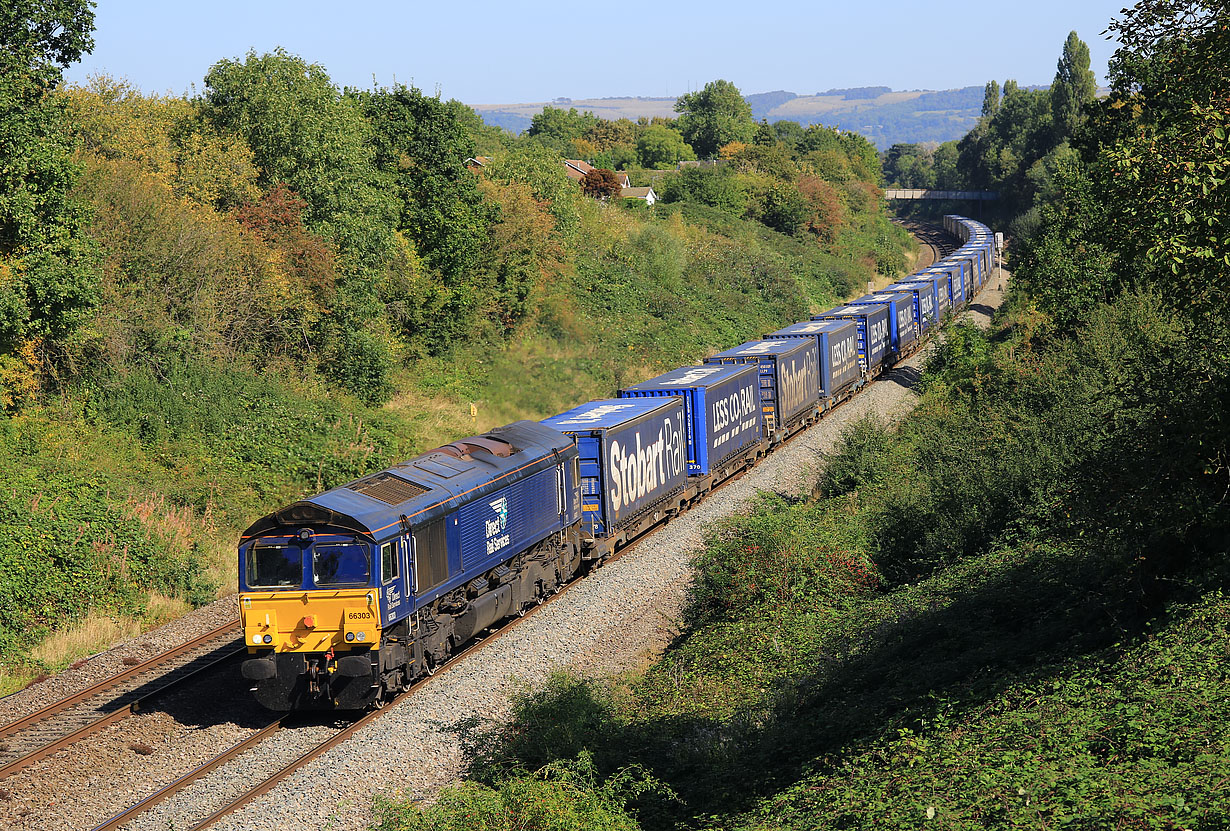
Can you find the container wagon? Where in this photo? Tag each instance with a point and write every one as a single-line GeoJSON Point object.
{"type": "Point", "coordinates": [789, 382]}
{"type": "Point", "coordinates": [840, 372]}
{"type": "Point", "coordinates": [722, 417]}
{"type": "Point", "coordinates": [633, 467]}
{"type": "Point", "coordinates": [873, 334]}
{"type": "Point", "coordinates": [924, 304]}
{"type": "Point", "coordinates": [902, 329]}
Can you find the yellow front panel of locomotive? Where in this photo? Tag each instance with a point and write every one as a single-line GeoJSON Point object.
{"type": "Point", "coordinates": [311, 621]}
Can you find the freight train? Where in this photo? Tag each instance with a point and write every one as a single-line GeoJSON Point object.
{"type": "Point", "coordinates": [349, 596]}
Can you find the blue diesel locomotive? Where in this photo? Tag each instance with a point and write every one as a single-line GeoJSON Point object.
{"type": "Point", "coordinates": [348, 596]}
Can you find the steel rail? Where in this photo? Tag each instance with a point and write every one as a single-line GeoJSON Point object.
{"type": "Point", "coordinates": [94, 725]}
{"type": "Point", "coordinates": [188, 778]}
{"type": "Point", "coordinates": [59, 706]}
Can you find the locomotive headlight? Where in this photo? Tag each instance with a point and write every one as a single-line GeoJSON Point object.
{"type": "Point", "coordinates": [362, 636]}
{"type": "Point", "coordinates": [350, 636]}
{"type": "Point", "coordinates": [268, 639]}
{"type": "Point", "coordinates": [305, 534]}
{"type": "Point", "coordinates": [256, 639]}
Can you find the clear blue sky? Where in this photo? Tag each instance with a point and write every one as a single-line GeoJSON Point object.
{"type": "Point", "coordinates": [507, 52]}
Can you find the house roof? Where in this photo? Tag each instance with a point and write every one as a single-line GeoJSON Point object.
{"type": "Point", "coordinates": [637, 193]}
{"type": "Point", "coordinates": [576, 168]}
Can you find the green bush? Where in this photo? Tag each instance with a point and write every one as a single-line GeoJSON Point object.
{"type": "Point", "coordinates": [562, 796]}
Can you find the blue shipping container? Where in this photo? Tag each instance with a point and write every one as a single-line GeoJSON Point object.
{"type": "Point", "coordinates": [838, 342]}
{"type": "Point", "coordinates": [902, 329]}
{"type": "Point", "coordinates": [943, 300]}
{"type": "Point", "coordinates": [633, 455]}
{"type": "Point", "coordinates": [924, 303]}
{"type": "Point", "coordinates": [721, 406]}
{"type": "Point", "coordinates": [971, 262]}
{"type": "Point", "coordinates": [873, 331]}
{"type": "Point", "coordinates": [789, 377]}
{"type": "Point", "coordinates": [952, 283]}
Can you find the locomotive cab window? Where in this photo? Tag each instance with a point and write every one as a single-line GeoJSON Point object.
{"type": "Point", "coordinates": [341, 564]}
{"type": "Point", "coordinates": [274, 566]}
{"type": "Point", "coordinates": [388, 562]}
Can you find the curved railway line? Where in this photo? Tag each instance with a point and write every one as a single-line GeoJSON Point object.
{"type": "Point", "coordinates": [934, 240]}
{"type": "Point", "coordinates": [44, 732]}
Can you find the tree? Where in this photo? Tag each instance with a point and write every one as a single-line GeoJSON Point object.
{"type": "Point", "coordinates": [1074, 86]}
{"type": "Point", "coordinates": [558, 128]}
{"type": "Point", "coordinates": [789, 133]}
{"type": "Point", "coordinates": [716, 187]}
{"type": "Point", "coordinates": [909, 166]}
{"type": "Point", "coordinates": [658, 146]}
{"type": "Point", "coordinates": [785, 209]}
{"type": "Point", "coordinates": [715, 116]}
{"type": "Point", "coordinates": [305, 133]}
{"type": "Point", "coordinates": [539, 168]}
{"type": "Point", "coordinates": [764, 136]}
{"type": "Point", "coordinates": [48, 271]}
{"type": "Point", "coordinates": [990, 99]}
{"type": "Point", "coordinates": [421, 145]}
{"type": "Point", "coordinates": [600, 183]}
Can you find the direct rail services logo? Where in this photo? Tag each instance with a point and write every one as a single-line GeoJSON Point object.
{"type": "Point", "coordinates": [496, 536]}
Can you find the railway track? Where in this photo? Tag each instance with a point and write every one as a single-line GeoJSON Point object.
{"type": "Point", "coordinates": [259, 789]}
{"type": "Point", "coordinates": [59, 724]}
{"type": "Point", "coordinates": [935, 241]}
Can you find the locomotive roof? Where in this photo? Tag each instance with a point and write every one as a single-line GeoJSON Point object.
{"type": "Point", "coordinates": [424, 487]}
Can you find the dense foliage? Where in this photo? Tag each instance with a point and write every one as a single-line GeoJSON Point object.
{"type": "Point", "coordinates": [1017, 148]}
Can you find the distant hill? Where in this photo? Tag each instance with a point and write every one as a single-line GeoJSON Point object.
{"type": "Point", "coordinates": [882, 115]}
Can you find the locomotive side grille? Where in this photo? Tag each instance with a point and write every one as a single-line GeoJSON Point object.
{"type": "Point", "coordinates": [389, 489]}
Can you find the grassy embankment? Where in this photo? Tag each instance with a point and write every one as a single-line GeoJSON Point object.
{"type": "Point", "coordinates": [123, 497]}
{"type": "Point", "coordinates": [981, 619]}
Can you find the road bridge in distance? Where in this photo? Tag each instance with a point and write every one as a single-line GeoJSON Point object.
{"type": "Point", "coordinates": [919, 193]}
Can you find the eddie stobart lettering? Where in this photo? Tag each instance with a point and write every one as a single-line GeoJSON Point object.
{"type": "Point", "coordinates": [797, 384]}
{"type": "Point", "coordinates": [642, 468]}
